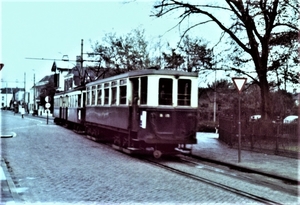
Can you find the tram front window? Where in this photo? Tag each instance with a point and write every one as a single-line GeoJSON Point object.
{"type": "Point", "coordinates": [165, 91]}
{"type": "Point", "coordinates": [144, 90]}
{"type": "Point", "coordinates": [184, 92]}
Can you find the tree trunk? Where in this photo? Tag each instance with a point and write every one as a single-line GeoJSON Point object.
{"type": "Point", "coordinates": [265, 100]}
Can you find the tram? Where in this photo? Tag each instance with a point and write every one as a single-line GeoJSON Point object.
{"type": "Point", "coordinates": [139, 111]}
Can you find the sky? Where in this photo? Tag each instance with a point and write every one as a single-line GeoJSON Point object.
{"type": "Point", "coordinates": [51, 29]}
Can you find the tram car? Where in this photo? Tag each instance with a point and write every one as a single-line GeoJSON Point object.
{"type": "Point", "coordinates": [69, 109]}
{"type": "Point", "coordinates": [139, 111]}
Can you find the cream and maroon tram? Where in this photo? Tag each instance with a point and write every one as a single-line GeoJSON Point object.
{"type": "Point", "coordinates": [138, 111]}
{"type": "Point", "coordinates": [144, 110]}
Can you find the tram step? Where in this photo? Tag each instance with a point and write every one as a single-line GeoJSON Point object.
{"type": "Point", "coordinates": [131, 150]}
{"type": "Point", "coordinates": [92, 138]}
{"type": "Point", "coordinates": [116, 147]}
{"type": "Point", "coordinates": [79, 132]}
{"type": "Point", "coordinates": [184, 151]}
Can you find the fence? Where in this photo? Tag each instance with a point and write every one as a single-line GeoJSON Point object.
{"type": "Point", "coordinates": [267, 137]}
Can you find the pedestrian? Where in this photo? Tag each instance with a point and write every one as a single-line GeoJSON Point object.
{"type": "Point", "coordinates": [22, 112]}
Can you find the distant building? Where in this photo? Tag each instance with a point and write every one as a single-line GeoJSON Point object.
{"type": "Point", "coordinates": [6, 96]}
{"type": "Point", "coordinates": [38, 93]}
{"type": "Point", "coordinates": [61, 69]}
{"type": "Point", "coordinates": [11, 98]}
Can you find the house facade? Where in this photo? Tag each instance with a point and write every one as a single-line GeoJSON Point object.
{"type": "Point", "coordinates": [6, 96]}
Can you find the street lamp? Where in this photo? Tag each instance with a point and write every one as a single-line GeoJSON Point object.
{"type": "Point", "coordinates": [239, 84]}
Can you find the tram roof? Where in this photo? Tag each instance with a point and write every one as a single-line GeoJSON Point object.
{"type": "Point", "coordinates": [145, 72]}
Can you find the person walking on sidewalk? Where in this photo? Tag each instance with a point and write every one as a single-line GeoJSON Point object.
{"type": "Point", "coordinates": [22, 111]}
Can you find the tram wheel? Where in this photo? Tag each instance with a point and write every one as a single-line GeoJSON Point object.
{"type": "Point", "coordinates": [157, 154]}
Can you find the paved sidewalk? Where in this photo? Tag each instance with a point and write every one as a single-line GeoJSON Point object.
{"type": "Point", "coordinates": [209, 147]}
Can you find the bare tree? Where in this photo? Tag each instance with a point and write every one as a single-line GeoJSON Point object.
{"type": "Point", "coordinates": [173, 60]}
{"type": "Point", "coordinates": [254, 24]}
{"type": "Point", "coordinates": [197, 54]}
{"type": "Point", "coordinates": [124, 53]}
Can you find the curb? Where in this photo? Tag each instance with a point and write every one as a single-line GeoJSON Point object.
{"type": "Point", "coordinates": [247, 169]}
{"type": "Point", "coordinates": [12, 134]}
{"type": "Point", "coordinates": [11, 185]}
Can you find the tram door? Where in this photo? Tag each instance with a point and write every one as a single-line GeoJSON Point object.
{"type": "Point", "coordinates": [83, 99]}
{"type": "Point", "coordinates": [83, 103]}
{"type": "Point", "coordinates": [65, 106]}
{"type": "Point", "coordinates": [133, 109]}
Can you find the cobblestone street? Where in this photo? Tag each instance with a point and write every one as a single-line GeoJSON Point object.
{"type": "Point", "coordinates": [51, 164]}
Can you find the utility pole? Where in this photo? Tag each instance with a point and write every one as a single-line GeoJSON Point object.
{"type": "Point", "coordinates": [34, 92]}
{"type": "Point", "coordinates": [215, 98]}
{"type": "Point", "coordinates": [6, 95]}
{"type": "Point", "coordinates": [81, 61]}
{"type": "Point", "coordinates": [81, 54]}
{"type": "Point", "coordinates": [24, 90]}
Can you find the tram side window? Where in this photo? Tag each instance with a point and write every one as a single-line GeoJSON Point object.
{"type": "Point", "coordinates": [61, 101]}
{"type": "Point", "coordinates": [144, 90]}
{"type": "Point", "coordinates": [106, 93]}
{"type": "Point", "coordinates": [72, 101]}
{"type": "Point", "coordinates": [83, 99]}
{"type": "Point", "coordinates": [93, 95]}
{"type": "Point", "coordinates": [88, 96]}
{"type": "Point", "coordinates": [184, 92]}
{"type": "Point", "coordinates": [99, 99]}
{"type": "Point", "coordinates": [165, 91]}
{"type": "Point", "coordinates": [67, 103]}
{"type": "Point", "coordinates": [113, 95]}
{"type": "Point", "coordinates": [56, 102]}
{"type": "Point", "coordinates": [114, 92]}
{"type": "Point", "coordinates": [123, 94]}
{"type": "Point", "coordinates": [79, 100]}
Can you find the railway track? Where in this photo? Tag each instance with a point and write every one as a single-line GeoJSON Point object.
{"type": "Point", "coordinates": [264, 179]}
{"type": "Point", "coordinates": [259, 188]}
{"type": "Point", "coordinates": [258, 191]}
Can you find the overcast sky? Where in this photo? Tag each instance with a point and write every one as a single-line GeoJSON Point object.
{"type": "Point", "coordinates": [51, 29]}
